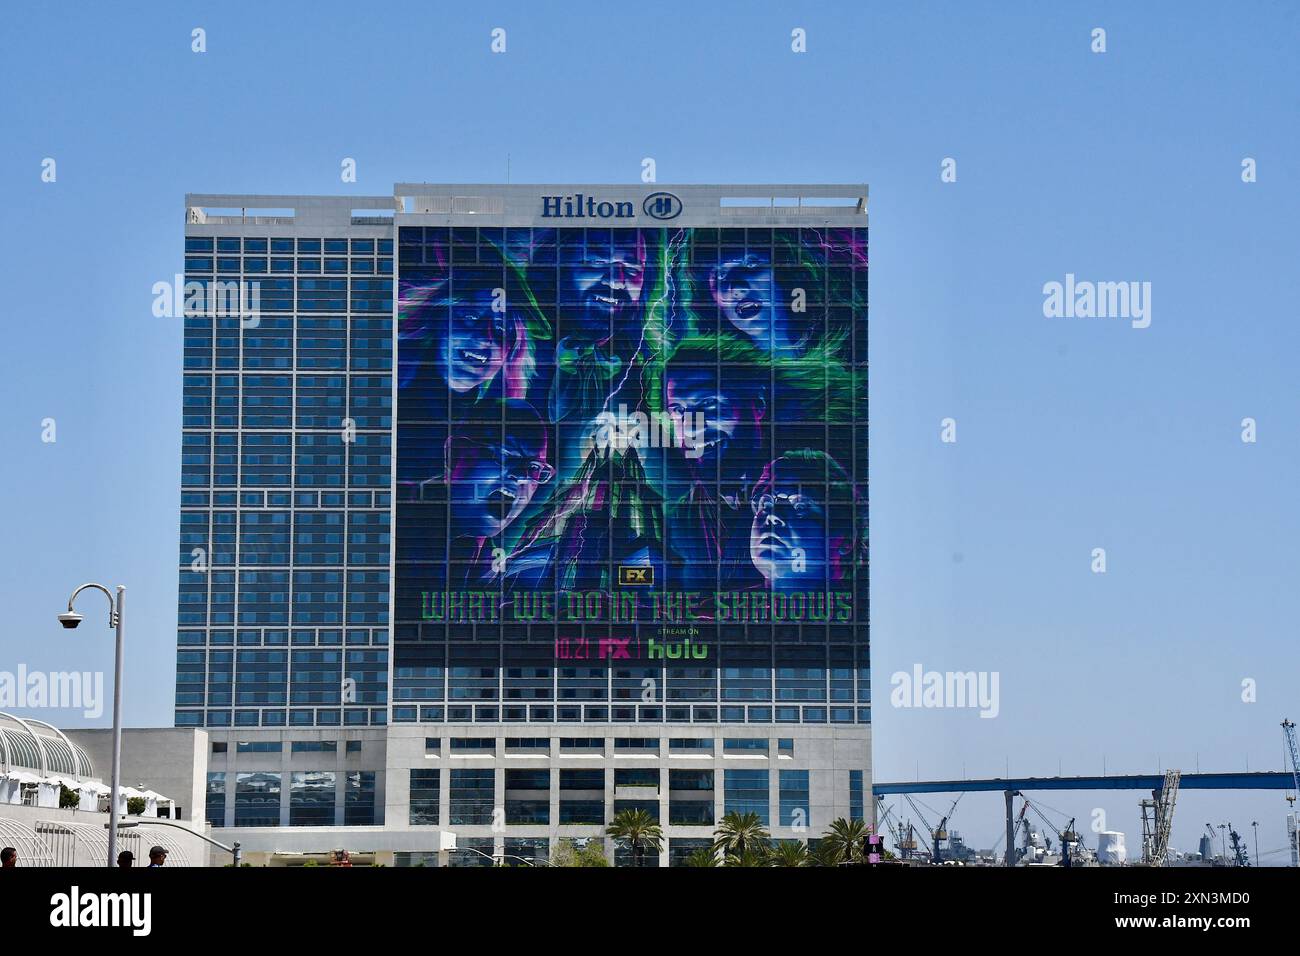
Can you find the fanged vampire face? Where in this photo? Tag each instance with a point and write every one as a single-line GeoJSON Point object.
{"type": "Point", "coordinates": [712, 416]}
{"type": "Point", "coordinates": [474, 346]}
{"type": "Point", "coordinates": [493, 480]}
{"type": "Point", "coordinates": [602, 284]}
{"type": "Point", "coordinates": [744, 290]}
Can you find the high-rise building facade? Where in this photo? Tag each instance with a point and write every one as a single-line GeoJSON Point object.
{"type": "Point", "coordinates": [548, 501]}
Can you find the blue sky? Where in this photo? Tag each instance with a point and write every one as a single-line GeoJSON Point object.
{"type": "Point", "coordinates": [1072, 434]}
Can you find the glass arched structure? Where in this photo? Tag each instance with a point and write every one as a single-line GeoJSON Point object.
{"type": "Point", "coordinates": [41, 748]}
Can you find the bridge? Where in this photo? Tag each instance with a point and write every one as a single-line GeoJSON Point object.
{"type": "Point", "coordinates": [1258, 780]}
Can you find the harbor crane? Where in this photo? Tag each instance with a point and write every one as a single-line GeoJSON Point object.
{"type": "Point", "coordinates": [1067, 836]}
{"type": "Point", "coordinates": [904, 841]}
{"type": "Point", "coordinates": [1293, 839]}
{"type": "Point", "coordinates": [939, 834]}
{"type": "Point", "coordinates": [1157, 826]}
{"type": "Point", "coordinates": [1288, 734]}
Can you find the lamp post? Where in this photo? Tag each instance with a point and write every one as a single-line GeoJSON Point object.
{"type": "Point", "coordinates": [1254, 825]}
{"type": "Point", "coordinates": [70, 620]}
{"type": "Point", "coordinates": [233, 850]}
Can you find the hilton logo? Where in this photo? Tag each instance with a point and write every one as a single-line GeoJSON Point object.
{"type": "Point", "coordinates": [579, 206]}
{"type": "Point", "coordinates": [630, 576]}
{"type": "Point", "coordinates": [662, 206]}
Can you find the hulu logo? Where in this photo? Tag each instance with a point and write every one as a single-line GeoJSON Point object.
{"type": "Point", "coordinates": [677, 651]}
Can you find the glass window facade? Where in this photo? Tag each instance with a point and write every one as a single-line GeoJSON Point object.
{"type": "Point", "coordinates": [746, 791]}
{"type": "Point", "coordinates": [286, 463]}
{"type": "Point", "coordinates": [680, 848]}
{"type": "Point", "coordinates": [528, 796]}
{"type": "Point", "coordinates": [473, 851]}
{"type": "Point", "coordinates": [690, 797]}
{"type": "Point", "coordinates": [311, 799]}
{"type": "Point", "coordinates": [793, 799]}
{"type": "Point", "coordinates": [215, 802]}
{"type": "Point", "coordinates": [257, 799]}
{"type": "Point", "coordinates": [473, 797]}
{"type": "Point", "coordinates": [359, 799]}
{"type": "Point", "coordinates": [425, 796]}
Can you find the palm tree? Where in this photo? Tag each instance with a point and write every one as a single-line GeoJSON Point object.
{"type": "Point", "coordinates": [788, 853]}
{"type": "Point", "coordinates": [844, 840]}
{"type": "Point", "coordinates": [756, 855]}
{"type": "Point", "coordinates": [636, 830]}
{"type": "Point", "coordinates": [704, 856]}
{"type": "Point", "coordinates": [741, 835]}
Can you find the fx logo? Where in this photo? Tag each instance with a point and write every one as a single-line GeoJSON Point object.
{"type": "Point", "coordinates": [630, 576]}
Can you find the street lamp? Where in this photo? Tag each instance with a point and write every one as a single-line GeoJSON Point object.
{"type": "Point", "coordinates": [70, 620]}
{"type": "Point", "coordinates": [1254, 824]}
{"type": "Point", "coordinates": [494, 857]}
{"type": "Point", "coordinates": [233, 850]}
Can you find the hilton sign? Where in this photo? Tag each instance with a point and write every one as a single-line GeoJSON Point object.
{"type": "Point", "coordinates": [656, 206]}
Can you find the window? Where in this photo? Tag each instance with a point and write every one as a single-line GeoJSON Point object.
{"type": "Point", "coordinates": [215, 804]}
{"type": "Point", "coordinates": [473, 851]}
{"type": "Point", "coordinates": [582, 796]}
{"type": "Point", "coordinates": [785, 747]}
{"type": "Point", "coordinates": [586, 744]}
{"type": "Point", "coordinates": [311, 799]}
{"type": "Point", "coordinates": [636, 743]}
{"type": "Point", "coordinates": [218, 746]}
{"type": "Point", "coordinates": [690, 745]}
{"type": "Point", "coordinates": [528, 796]}
{"type": "Point", "coordinates": [257, 800]}
{"type": "Point", "coordinates": [432, 745]}
{"type": "Point", "coordinates": [259, 747]}
{"type": "Point", "coordinates": [484, 745]}
{"type": "Point", "coordinates": [359, 798]}
{"type": "Point", "coordinates": [793, 799]}
{"type": "Point", "coordinates": [651, 807]}
{"type": "Point", "coordinates": [637, 777]}
{"type": "Point", "coordinates": [526, 851]}
{"type": "Point", "coordinates": [855, 795]}
{"type": "Point", "coordinates": [680, 848]}
{"type": "Point", "coordinates": [424, 797]}
{"type": "Point", "coordinates": [623, 855]}
{"type": "Point", "coordinates": [745, 791]}
{"type": "Point", "coordinates": [690, 797]}
{"type": "Point", "coordinates": [747, 746]}
{"type": "Point", "coordinates": [472, 797]}
{"type": "Point", "coordinates": [315, 746]}
{"type": "Point", "coordinates": [535, 744]}
{"type": "Point", "coordinates": [353, 747]}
